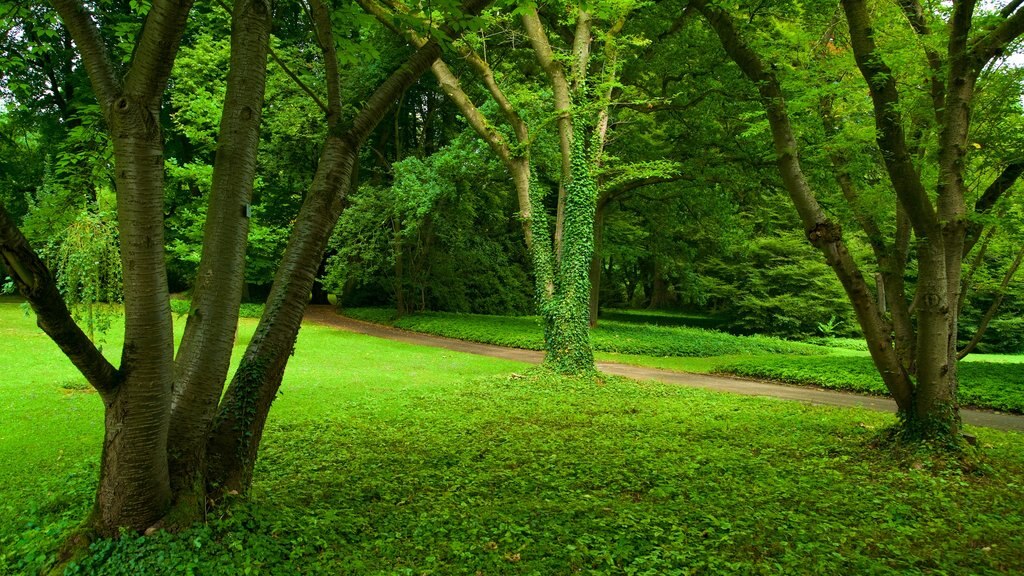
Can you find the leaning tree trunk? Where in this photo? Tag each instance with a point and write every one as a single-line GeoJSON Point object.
{"type": "Point", "coordinates": [238, 427]}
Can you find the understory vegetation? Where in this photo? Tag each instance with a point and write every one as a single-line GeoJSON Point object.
{"type": "Point", "coordinates": [445, 463]}
{"type": "Point", "coordinates": [609, 336]}
{"type": "Point", "coordinates": [986, 381]}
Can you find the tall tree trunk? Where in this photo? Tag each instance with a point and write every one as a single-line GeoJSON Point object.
{"type": "Point", "coordinates": [205, 352]}
{"type": "Point", "coordinates": [134, 489]}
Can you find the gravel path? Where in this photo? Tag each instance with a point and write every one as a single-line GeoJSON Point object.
{"type": "Point", "coordinates": [326, 315]}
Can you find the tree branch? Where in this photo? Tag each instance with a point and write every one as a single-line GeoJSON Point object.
{"type": "Point", "coordinates": [322, 26]}
{"type": "Point", "coordinates": [889, 122]}
{"type": "Point", "coordinates": [156, 48]}
{"type": "Point", "coordinates": [994, 43]}
{"type": "Point", "coordinates": [988, 199]}
{"type": "Point", "coordinates": [915, 14]}
{"type": "Point", "coordinates": [97, 60]}
{"type": "Point", "coordinates": [991, 312]}
{"type": "Point", "coordinates": [37, 285]}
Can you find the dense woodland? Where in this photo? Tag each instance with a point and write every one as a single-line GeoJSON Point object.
{"type": "Point", "coordinates": [789, 168]}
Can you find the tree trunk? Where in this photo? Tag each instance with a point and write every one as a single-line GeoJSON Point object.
{"type": "Point", "coordinates": [238, 427]}
{"type": "Point", "coordinates": [319, 296]}
{"type": "Point", "coordinates": [205, 352]}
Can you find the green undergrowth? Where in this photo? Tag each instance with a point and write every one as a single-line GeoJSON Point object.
{"type": "Point", "coordinates": [531, 473]}
{"type": "Point", "coordinates": [609, 336]}
{"type": "Point", "coordinates": [385, 458]}
{"type": "Point", "coordinates": [180, 307]}
{"type": "Point", "coordinates": [996, 385]}
{"type": "Point", "coordinates": [663, 318]}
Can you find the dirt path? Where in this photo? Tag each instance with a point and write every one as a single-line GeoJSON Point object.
{"type": "Point", "coordinates": [325, 315]}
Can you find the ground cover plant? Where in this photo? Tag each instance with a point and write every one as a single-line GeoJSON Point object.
{"type": "Point", "coordinates": [608, 336]}
{"type": "Point", "coordinates": [439, 462]}
{"type": "Point", "coordinates": [998, 385]}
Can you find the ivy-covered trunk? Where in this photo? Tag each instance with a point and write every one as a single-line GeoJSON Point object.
{"type": "Point", "coordinates": [566, 311]}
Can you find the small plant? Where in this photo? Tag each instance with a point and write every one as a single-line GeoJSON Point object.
{"type": "Point", "coordinates": [828, 329]}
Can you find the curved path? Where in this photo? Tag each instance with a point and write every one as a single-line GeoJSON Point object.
{"type": "Point", "coordinates": [326, 315]}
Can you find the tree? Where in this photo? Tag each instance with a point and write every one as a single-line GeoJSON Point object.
{"type": "Point", "coordinates": [560, 251]}
{"type": "Point", "coordinates": [913, 346]}
{"type": "Point", "coordinates": [172, 440]}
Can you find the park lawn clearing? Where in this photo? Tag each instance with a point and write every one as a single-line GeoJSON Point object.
{"type": "Point", "coordinates": [993, 382]}
{"type": "Point", "coordinates": [386, 458]}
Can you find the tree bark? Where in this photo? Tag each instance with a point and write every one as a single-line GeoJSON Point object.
{"type": "Point", "coordinates": [823, 233]}
{"type": "Point", "coordinates": [205, 352]}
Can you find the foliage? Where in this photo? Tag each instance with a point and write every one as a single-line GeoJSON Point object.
{"type": "Point", "coordinates": [440, 235]}
{"type": "Point", "coordinates": [88, 268]}
{"type": "Point", "coordinates": [621, 337]}
{"type": "Point", "coordinates": [181, 306]}
{"type": "Point", "coordinates": [426, 468]}
{"type": "Point", "coordinates": [784, 288]}
{"type": "Point", "coordinates": [997, 385]}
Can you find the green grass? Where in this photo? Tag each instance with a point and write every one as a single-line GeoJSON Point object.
{"type": "Point", "coordinates": [986, 381]}
{"type": "Point", "coordinates": [180, 307]}
{"type": "Point", "coordinates": [662, 318]}
{"type": "Point", "coordinates": [998, 385]}
{"type": "Point", "coordinates": [609, 336]}
{"type": "Point", "coordinates": [385, 458]}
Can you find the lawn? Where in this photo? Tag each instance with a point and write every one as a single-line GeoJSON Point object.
{"type": "Point", "coordinates": [986, 381]}
{"type": "Point", "coordinates": [385, 458]}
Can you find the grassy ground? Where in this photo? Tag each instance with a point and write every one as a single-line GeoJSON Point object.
{"type": "Point", "coordinates": [384, 458]}
{"type": "Point", "coordinates": [610, 336]}
{"type": "Point", "coordinates": [986, 381]}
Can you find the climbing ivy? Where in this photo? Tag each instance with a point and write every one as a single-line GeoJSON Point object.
{"type": "Point", "coordinates": [570, 350]}
{"type": "Point", "coordinates": [563, 285]}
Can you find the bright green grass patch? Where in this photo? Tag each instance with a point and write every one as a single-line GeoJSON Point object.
{"type": "Point", "coordinates": [662, 318]}
{"type": "Point", "coordinates": [180, 307]}
{"type": "Point", "coordinates": [385, 458]}
{"type": "Point", "coordinates": [609, 336]}
{"type": "Point", "coordinates": [998, 385]}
